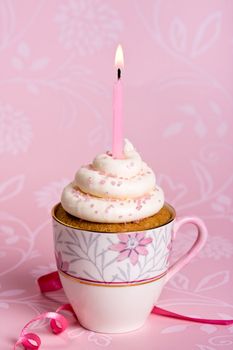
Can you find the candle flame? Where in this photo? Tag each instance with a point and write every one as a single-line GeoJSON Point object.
{"type": "Point", "coordinates": [119, 57]}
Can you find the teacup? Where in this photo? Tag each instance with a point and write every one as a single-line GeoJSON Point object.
{"type": "Point", "coordinates": [113, 280]}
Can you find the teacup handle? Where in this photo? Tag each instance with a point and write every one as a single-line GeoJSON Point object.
{"type": "Point", "coordinates": [196, 247]}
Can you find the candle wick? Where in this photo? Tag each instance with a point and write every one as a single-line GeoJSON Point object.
{"type": "Point", "coordinates": [118, 73]}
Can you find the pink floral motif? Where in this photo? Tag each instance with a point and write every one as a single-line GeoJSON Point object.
{"type": "Point", "coordinates": [61, 265]}
{"type": "Point", "coordinates": [170, 244]}
{"type": "Point", "coordinates": [131, 246]}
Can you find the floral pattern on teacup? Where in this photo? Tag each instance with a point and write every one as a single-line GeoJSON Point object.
{"type": "Point", "coordinates": [131, 246]}
{"type": "Point", "coordinates": [111, 257]}
{"type": "Point", "coordinates": [61, 264]}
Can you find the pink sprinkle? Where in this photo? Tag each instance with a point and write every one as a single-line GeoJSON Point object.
{"type": "Point", "coordinates": [102, 182]}
{"type": "Point", "coordinates": [130, 214]}
{"type": "Point", "coordinates": [92, 205]}
{"type": "Point", "coordinates": [96, 211]}
{"type": "Point", "coordinates": [113, 183]}
{"type": "Point", "coordinates": [132, 163]}
{"type": "Point", "coordinates": [122, 204]}
{"type": "Point", "coordinates": [139, 205]}
{"type": "Point", "coordinates": [109, 207]}
{"type": "Point", "coordinates": [120, 216]}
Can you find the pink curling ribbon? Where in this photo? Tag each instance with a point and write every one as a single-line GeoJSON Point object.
{"type": "Point", "coordinates": [58, 323]}
{"type": "Point", "coordinates": [50, 282]}
{"type": "Point", "coordinates": [158, 311]}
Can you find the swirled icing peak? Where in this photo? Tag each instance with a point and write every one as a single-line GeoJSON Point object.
{"type": "Point", "coordinates": [113, 190]}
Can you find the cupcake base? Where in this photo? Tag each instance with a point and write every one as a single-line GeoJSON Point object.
{"type": "Point", "coordinates": [163, 217]}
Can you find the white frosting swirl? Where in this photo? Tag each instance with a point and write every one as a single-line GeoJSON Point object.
{"type": "Point", "coordinates": [113, 190]}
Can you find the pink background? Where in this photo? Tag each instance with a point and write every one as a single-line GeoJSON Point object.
{"type": "Point", "coordinates": [56, 78]}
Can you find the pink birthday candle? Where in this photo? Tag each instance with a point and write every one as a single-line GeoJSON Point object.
{"type": "Point", "coordinates": [117, 144]}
